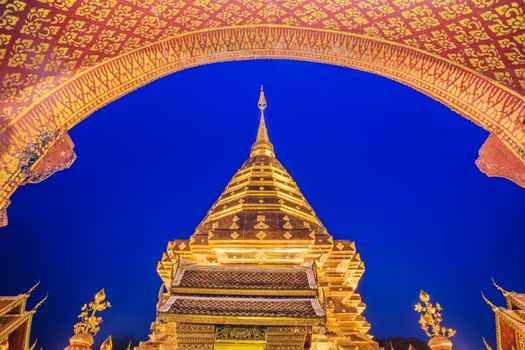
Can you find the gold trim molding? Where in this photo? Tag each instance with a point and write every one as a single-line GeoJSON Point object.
{"type": "Point", "coordinates": [479, 99]}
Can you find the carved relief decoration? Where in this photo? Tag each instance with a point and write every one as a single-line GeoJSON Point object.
{"type": "Point", "coordinates": [63, 59]}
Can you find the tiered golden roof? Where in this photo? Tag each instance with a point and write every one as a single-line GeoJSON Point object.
{"type": "Point", "coordinates": [15, 321]}
{"type": "Point", "coordinates": [262, 221]}
{"type": "Point", "coordinates": [510, 320]}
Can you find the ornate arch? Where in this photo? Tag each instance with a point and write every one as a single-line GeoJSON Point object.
{"type": "Point", "coordinates": [40, 110]}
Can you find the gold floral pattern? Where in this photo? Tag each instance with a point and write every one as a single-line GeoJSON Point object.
{"type": "Point", "coordinates": [46, 43]}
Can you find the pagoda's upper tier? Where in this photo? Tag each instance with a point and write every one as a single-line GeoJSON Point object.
{"type": "Point", "coordinates": [262, 201]}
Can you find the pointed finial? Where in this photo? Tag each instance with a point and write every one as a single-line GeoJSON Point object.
{"type": "Point", "coordinates": [262, 145]}
{"type": "Point", "coordinates": [262, 99]}
{"type": "Point", "coordinates": [33, 288]}
{"type": "Point", "coordinates": [129, 345]}
{"type": "Point", "coordinates": [503, 291]}
{"type": "Point", "coordinates": [107, 344]}
{"type": "Point", "coordinates": [494, 307]}
{"type": "Point", "coordinates": [39, 304]}
{"type": "Point", "coordinates": [487, 346]}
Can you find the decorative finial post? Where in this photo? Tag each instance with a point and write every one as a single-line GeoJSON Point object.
{"type": "Point", "coordinates": [89, 324]}
{"type": "Point", "coordinates": [107, 344]}
{"type": "Point", "coordinates": [262, 145]}
{"type": "Point", "coordinates": [487, 346]}
{"type": "Point", "coordinates": [262, 100]}
{"type": "Point", "coordinates": [430, 320]}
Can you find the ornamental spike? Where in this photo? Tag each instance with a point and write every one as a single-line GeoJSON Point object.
{"type": "Point", "coordinates": [503, 291]}
{"type": "Point", "coordinates": [494, 307]}
{"type": "Point", "coordinates": [262, 145]}
{"type": "Point", "coordinates": [33, 288]}
{"type": "Point", "coordinates": [39, 304]}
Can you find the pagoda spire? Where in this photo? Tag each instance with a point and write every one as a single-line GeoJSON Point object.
{"type": "Point", "coordinates": [262, 145]}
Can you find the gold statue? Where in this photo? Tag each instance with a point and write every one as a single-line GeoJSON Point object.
{"type": "Point", "coordinates": [90, 322]}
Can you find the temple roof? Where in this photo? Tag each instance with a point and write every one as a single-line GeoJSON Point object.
{"type": "Point", "coordinates": [515, 301]}
{"type": "Point", "coordinates": [272, 295]}
{"type": "Point", "coordinates": [232, 310]}
{"type": "Point", "coordinates": [514, 313]}
{"type": "Point", "coordinates": [14, 318]}
{"type": "Point", "coordinates": [239, 280]}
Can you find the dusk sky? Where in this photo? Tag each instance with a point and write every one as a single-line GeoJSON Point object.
{"type": "Point", "coordinates": [382, 165]}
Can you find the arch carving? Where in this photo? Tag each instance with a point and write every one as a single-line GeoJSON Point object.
{"type": "Point", "coordinates": [36, 117]}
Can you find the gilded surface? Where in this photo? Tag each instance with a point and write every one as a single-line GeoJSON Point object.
{"type": "Point", "coordinates": [510, 320]}
{"type": "Point", "coordinates": [262, 223]}
{"type": "Point", "coordinates": [240, 333]}
{"type": "Point", "coordinates": [259, 279]}
{"type": "Point", "coordinates": [16, 321]}
{"type": "Point", "coordinates": [63, 59]}
{"type": "Point", "coordinates": [89, 321]}
{"type": "Point", "coordinates": [430, 318]}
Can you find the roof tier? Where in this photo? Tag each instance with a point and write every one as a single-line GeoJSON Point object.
{"type": "Point", "coordinates": [233, 310]}
{"type": "Point", "coordinates": [238, 280]}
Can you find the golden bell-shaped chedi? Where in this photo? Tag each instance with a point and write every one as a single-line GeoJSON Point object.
{"type": "Point", "coordinates": [430, 320]}
{"type": "Point", "coordinates": [260, 271]}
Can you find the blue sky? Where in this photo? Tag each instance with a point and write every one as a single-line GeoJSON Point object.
{"type": "Point", "coordinates": [382, 165]}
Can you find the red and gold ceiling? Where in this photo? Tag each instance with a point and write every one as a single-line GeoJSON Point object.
{"type": "Point", "coordinates": [60, 60]}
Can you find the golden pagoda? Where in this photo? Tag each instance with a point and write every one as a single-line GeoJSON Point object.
{"type": "Point", "coordinates": [260, 271]}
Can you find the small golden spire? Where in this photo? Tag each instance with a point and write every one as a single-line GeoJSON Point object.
{"type": "Point", "coordinates": [503, 291]}
{"type": "Point", "coordinates": [487, 346]}
{"type": "Point", "coordinates": [262, 145]}
{"type": "Point", "coordinates": [33, 288]}
{"type": "Point", "coordinates": [262, 100]}
{"type": "Point", "coordinates": [492, 306]}
{"type": "Point", "coordinates": [33, 346]}
{"type": "Point", "coordinates": [107, 344]}
{"type": "Point", "coordinates": [39, 304]}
